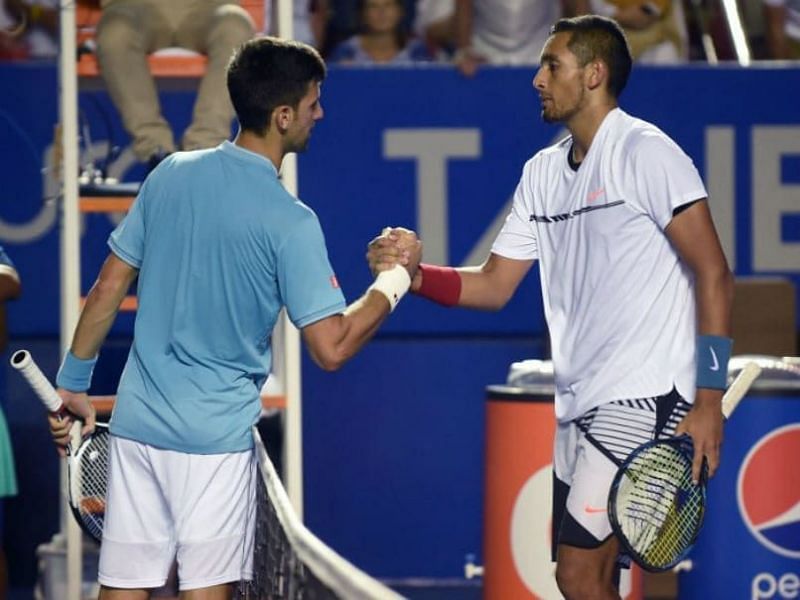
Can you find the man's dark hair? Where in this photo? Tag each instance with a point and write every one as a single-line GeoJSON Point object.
{"type": "Point", "coordinates": [268, 72]}
{"type": "Point", "coordinates": [599, 38]}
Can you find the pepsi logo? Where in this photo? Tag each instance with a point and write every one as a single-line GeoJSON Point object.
{"type": "Point", "coordinates": [768, 490]}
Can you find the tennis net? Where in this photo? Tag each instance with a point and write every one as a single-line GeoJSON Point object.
{"type": "Point", "coordinates": [289, 561]}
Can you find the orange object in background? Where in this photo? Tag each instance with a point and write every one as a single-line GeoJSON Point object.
{"type": "Point", "coordinates": [520, 427]}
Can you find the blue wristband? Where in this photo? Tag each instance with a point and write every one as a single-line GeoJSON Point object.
{"type": "Point", "coordinates": [713, 354]}
{"type": "Point", "coordinates": [75, 373]}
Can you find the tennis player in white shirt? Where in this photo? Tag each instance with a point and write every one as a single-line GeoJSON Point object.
{"type": "Point", "coordinates": [637, 291]}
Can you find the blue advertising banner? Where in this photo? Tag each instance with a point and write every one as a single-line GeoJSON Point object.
{"type": "Point", "coordinates": [753, 510]}
{"type": "Point", "coordinates": [428, 149]}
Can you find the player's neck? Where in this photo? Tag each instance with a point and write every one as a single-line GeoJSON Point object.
{"type": "Point", "coordinates": [584, 125]}
{"type": "Point", "coordinates": [266, 146]}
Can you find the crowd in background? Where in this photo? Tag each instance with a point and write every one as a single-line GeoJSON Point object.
{"type": "Point", "coordinates": [472, 32]}
{"type": "Point", "coordinates": [465, 33]}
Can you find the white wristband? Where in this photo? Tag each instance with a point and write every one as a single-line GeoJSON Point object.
{"type": "Point", "coordinates": [393, 284]}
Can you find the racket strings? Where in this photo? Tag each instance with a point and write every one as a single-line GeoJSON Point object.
{"type": "Point", "coordinates": [659, 507]}
{"type": "Point", "coordinates": [677, 534]}
{"type": "Point", "coordinates": [90, 483]}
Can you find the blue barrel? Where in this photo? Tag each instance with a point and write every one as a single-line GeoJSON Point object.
{"type": "Point", "coordinates": [750, 543]}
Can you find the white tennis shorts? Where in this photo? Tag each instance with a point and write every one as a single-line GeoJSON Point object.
{"type": "Point", "coordinates": [163, 506]}
{"type": "Point", "coordinates": [588, 453]}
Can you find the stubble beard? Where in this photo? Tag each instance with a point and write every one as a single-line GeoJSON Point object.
{"type": "Point", "coordinates": [300, 145]}
{"type": "Point", "coordinates": [549, 117]}
{"type": "Point", "coordinates": [563, 115]}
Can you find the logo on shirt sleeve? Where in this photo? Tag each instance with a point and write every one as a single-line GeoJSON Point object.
{"type": "Point", "coordinates": [334, 282]}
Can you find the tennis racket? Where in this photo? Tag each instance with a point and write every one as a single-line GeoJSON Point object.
{"type": "Point", "coordinates": [655, 509]}
{"type": "Point", "coordinates": [87, 465]}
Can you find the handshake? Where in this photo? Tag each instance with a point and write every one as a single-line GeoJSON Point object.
{"type": "Point", "coordinates": [396, 246]}
{"type": "Point", "coordinates": [394, 259]}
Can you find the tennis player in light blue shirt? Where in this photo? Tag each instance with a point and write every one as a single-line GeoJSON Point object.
{"type": "Point", "coordinates": [214, 272]}
{"type": "Point", "coordinates": [219, 247]}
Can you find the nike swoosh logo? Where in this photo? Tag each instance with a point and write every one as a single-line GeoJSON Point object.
{"type": "Point", "coordinates": [595, 195]}
{"type": "Point", "coordinates": [591, 510]}
{"type": "Point", "coordinates": [715, 366]}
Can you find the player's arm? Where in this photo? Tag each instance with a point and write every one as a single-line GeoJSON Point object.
{"type": "Point", "coordinates": [486, 287]}
{"type": "Point", "coordinates": [692, 234]}
{"type": "Point", "coordinates": [97, 316]}
{"type": "Point", "coordinates": [333, 335]}
{"type": "Point", "coordinates": [102, 305]}
{"type": "Point", "coordinates": [334, 340]}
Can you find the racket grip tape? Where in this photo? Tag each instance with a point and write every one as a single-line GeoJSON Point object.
{"type": "Point", "coordinates": [24, 363]}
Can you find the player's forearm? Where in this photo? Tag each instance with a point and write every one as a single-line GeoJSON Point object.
{"type": "Point", "coordinates": [480, 290]}
{"type": "Point", "coordinates": [336, 340]}
{"type": "Point", "coordinates": [491, 286]}
{"type": "Point", "coordinates": [487, 287]}
{"type": "Point", "coordinates": [102, 305]}
{"type": "Point", "coordinates": [714, 299]}
{"type": "Point", "coordinates": [361, 320]}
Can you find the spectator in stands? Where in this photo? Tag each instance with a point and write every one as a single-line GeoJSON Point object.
{"type": "Point", "coordinates": [435, 23]}
{"type": "Point", "coordinates": [28, 29]}
{"type": "Point", "coordinates": [782, 20]}
{"type": "Point", "coordinates": [9, 289]}
{"type": "Point", "coordinates": [509, 32]}
{"type": "Point", "coordinates": [310, 21]}
{"type": "Point", "coordinates": [131, 29]}
{"type": "Point", "coordinates": [383, 38]}
{"type": "Point", "coordinates": [656, 29]}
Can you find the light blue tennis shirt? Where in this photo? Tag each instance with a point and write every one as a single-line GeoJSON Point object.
{"type": "Point", "coordinates": [220, 246]}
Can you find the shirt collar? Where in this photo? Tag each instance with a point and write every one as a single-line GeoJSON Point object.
{"type": "Point", "coordinates": [240, 153]}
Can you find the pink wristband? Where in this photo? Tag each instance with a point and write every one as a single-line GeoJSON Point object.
{"type": "Point", "coordinates": [440, 284]}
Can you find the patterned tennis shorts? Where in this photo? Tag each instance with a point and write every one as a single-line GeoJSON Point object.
{"type": "Point", "coordinates": [589, 450]}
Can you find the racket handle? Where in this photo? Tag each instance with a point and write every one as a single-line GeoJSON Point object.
{"type": "Point", "coordinates": [739, 387]}
{"type": "Point", "coordinates": [23, 362]}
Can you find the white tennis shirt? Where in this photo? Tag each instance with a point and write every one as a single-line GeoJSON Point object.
{"type": "Point", "coordinates": [618, 300]}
